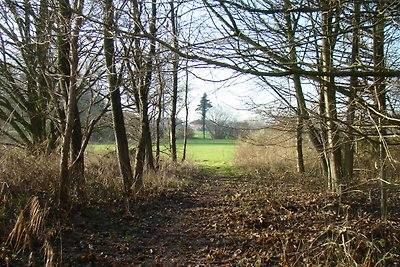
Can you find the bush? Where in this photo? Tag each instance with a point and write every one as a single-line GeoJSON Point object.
{"type": "Point", "coordinates": [181, 131]}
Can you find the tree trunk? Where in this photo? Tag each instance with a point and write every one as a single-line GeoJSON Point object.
{"type": "Point", "coordinates": [115, 95]}
{"type": "Point", "coordinates": [148, 140]}
{"type": "Point", "coordinates": [139, 165]}
{"type": "Point", "coordinates": [299, 145]}
{"type": "Point", "coordinates": [203, 121]}
{"type": "Point", "coordinates": [329, 94]}
{"type": "Point", "coordinates": [63, 47]}
{"type": "Point", "coordinates": [142, 84]}
{"type": "Point", "coordinates": [348, 155]}
{"type": "Point", "coordinates": [174, 99]}
{"type": "Point", "coordinates": [324, 155]}
{"type": "Point", "coordinates": [51, 138]}
{"type": "Point", "coordinates": [77, 156]}
{"type": "Point", "coordinates": [159, 112]}
{"type": "Point", "coordinates": [185, 133]}
{"type": "Point", "coordinates": [42, 48]}
{"type": "Point", "coordinates": [30, 54]}
{"type": "Point", "coordinates": [301, 105]}
{"type": "Point", "coordinates": [144, 152]}
{"type": "Point", "coordinates": [380, 99]}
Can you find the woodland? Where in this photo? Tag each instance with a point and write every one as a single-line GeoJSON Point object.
{"type": "Point", "coordinates": [313, 183]}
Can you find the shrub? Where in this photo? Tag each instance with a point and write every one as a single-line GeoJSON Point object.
{"type": "Point", "coordinates": [180, 132]}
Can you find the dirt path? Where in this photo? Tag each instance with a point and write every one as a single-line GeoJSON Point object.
{"type": "Point", "coordinates": [180, 228]}
{"type": "Point", "coordinates": [217, 221]}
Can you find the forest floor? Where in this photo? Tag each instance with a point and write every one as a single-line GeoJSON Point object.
{"type": "Point", "coordinates": [232, 220]}
{"type": "Point", "coordinates": [237, 221]}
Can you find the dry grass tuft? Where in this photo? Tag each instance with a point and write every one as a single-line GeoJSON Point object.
{"type": "Point", "coordinates": [25, 182]}
{"type": "Point", "coordinates": [169, 175]}
{"type": "Point", "coordinates": [28, 174]}
{"type": "Point", "coordinates": [28, 227]}
{"type": "Point", "coordinates": [105, 182]}
{"type": "Point", "coordinates": [273, 151]}
{"type": "Point", "coordinates": [21, 177]}
{"type": "Point", "coordinates": [30, 231]}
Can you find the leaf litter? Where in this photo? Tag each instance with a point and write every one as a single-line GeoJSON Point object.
{"type": "Point", "coordinates": [234, 221]}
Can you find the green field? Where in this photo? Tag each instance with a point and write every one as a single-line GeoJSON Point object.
{"type": "Point", "coordinates": [208, 153]}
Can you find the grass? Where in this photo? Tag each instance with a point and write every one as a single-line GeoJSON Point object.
{"type": "Point", "coordinates": [100, 148]}
{"type": "Point", "coordinates": [212, 155]}
{"type": "Point", "coordinates": [208, 153]}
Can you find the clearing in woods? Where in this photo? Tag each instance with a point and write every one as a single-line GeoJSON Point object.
{"type": "Point", "coordinates": [222, 218]}
{"type": "Point", "coordinates": [208, 153]}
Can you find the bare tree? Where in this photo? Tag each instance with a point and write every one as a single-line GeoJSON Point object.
{"type": "Point", "coordinates": [348, 154]}
{"type": "Point", "coordinates": [329, 58]}
{"type": "Point", "coordinates": [25, 84]}
{"type": "Point", "coordinates": [115, 95]}
{"type": "Point", "coordinates": [143, 51]}
{"type": "Point", "coordinates": [329, 95]}
{"type": "Point", "coordinates": [186, 106]}
{"type": "Point", "coordinates": [174, 96]}
{"type": "Point", "coordinates": [380, 97]}
{"type": "Point", "coordinates": [67, 47]}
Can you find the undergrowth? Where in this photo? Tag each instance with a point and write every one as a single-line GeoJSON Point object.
{"type": "Point", "coordinates": [28, 188]}
{"type": "Point", "coordinates": [350, 231]}
{"type": "Point", "coordinates": [288, 217]}
{"type": "Point", "coordinates": [105, 184]}
{"type": "Point", "coordinates": [273, 151]}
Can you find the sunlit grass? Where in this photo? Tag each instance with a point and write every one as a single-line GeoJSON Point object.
{"type": "Point", "coordinates": [100, 148]}
{"type": "Point", "coordinates": [210, 154]}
